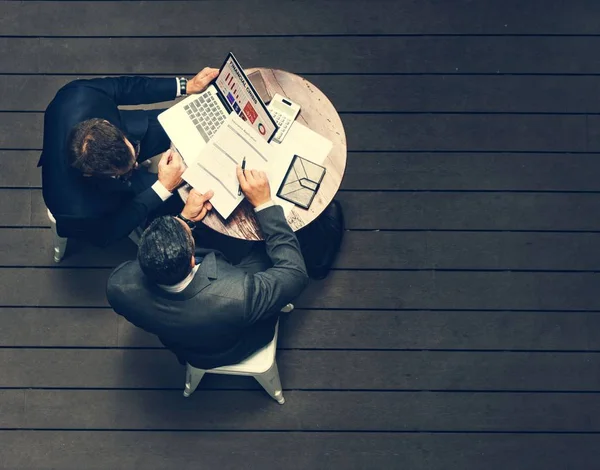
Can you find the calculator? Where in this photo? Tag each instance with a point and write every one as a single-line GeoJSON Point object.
{"type": "Point", "coordinates": [284, 113]}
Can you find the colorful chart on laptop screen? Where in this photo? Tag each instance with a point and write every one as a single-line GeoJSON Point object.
{"type": "Point", "coordinates": [235, 86]}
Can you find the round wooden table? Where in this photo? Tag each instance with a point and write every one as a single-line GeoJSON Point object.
{"type": "Point", "coordinates": [318, 114]}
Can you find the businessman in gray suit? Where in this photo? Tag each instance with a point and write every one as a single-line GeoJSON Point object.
{"type": "Point", "coordinates": [207, 311]}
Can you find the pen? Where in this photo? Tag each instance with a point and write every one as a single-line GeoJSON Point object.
{"type": "Point", "coordinates": [243, 168]}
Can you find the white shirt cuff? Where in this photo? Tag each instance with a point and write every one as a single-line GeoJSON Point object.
{"type": "Point", "coordinates": [264, 206]}
{"type": "Point", "coordinates": [177, 86]}
{"type": "Point", "coordinates": [162, 192]}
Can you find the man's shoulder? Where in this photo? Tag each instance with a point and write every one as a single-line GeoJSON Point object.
{"type": "Point", "coordinates": [126, 276]}
{"type": "Point", "coordinates": [128, 269]}
{"type": "Point", "coordinates": [75, 100]}
{"type": "Point", "coordinates": [127, 286]}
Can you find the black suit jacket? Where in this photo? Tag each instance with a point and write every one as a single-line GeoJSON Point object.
{"type": "Point", "coordinates": [226, 313]}
{"type": "Point", "coordinates": [100, 210]}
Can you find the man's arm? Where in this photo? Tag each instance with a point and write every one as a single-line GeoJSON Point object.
{"type": "Point", "coordinates": [268, 291]}
{"type": "Point", "coordinates": [133, 90]}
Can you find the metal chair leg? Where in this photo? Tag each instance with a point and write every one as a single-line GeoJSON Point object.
{"type": "Point", "coordinates": [193, 377]}
{"type": "Point", "coordinates": [271, 383]}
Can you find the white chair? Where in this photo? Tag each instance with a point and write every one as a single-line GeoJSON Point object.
{"type": "Point", "coordinates": [60, 243]}
{"type": "Point", "coordinates": [261, 365]}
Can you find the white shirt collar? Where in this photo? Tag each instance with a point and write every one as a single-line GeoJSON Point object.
{"type": "Point", "coordinates": [176, 288]}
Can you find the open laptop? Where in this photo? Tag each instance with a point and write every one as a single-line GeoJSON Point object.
{"type": "Point", "coordinates": [193, 121]}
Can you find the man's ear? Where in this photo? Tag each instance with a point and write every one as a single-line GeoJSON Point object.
{"type": "Point", "coordinates": [193, 263]}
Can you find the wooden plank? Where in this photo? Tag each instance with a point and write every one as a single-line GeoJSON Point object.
{"type": "Point", "coordinates": [593, 133]}
{"type": "Point", "coordinates": [21, 131]}
{"type": "Point", "coordinates": [419, 54]}
{"type": "Point", "coordinates": [53, 287]}
{"type": "Point", "coordinates": [381, 132]}
{"type": "Point", "coordinates": [512, 250]}
{"type": "Point", "coordinates": [327, 329]}
{"type": "Point", "coordinates": [33, 247]}
{"type": "Point", "coordinates": [347, 329]}
{"type": "Point", "coordinates": [319, 411]}
{"type": "Point", "coordinates": [404, 93]}
{"type": "Point", "coordinates": [322, 329]}
{"type": "Point", "coordinates": [15, 207]}
{"type": "Point", "coordinates": [19, 169]}
{"type": "Point", "coordinates": [468, 211]}
{"type": "Point", "coordinates": [469, 250]}
{"type": "Point", "coordinates": [39, 211]}
{"type": "Point", "coordinates": [311, 370]}
{"type": "Point", "coordinates": [442, 132]}
{"type": "Point", "coordinates": [427, 210]}
{"type": "Point", "coordinates": [417, 171]}
{"type": "Point", "coordinates": [159, 18]}
{"type": "Point", "coordinates": [460, 290]}
{"type": "Point", "coordinates": [73, 450]}
{"type": "Point", "coordinates": [43, 327]}
{"type": "Point", "coordinates": [471, 171]}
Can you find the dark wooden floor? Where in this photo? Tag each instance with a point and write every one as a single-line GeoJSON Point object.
{"type": "Point", "coordinates": [461, 327]}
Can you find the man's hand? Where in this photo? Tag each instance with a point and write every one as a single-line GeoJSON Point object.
{"type": "Point", "coordinates": [199, 83]}
{"type": "Point", "coordinates": [170, 169]}
{"type": "Point", "coordinates": [197, 205]}
{"type": "Point", "coordinates": [255, 186]}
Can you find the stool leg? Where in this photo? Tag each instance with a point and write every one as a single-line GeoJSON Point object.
{"type": "Point", "coordinates": [271, 383]}
{"type": "Point", "coordinates": [193, 377]}
{"type": "Point", "coordinates": [288, 308]}
{"type": "Point", "coordinates": [60, 245]}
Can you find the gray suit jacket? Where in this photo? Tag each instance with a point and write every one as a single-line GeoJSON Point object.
{"type": "Point", "coordinates": [226, 313]}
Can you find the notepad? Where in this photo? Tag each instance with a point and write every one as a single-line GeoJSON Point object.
{"type": "Point", "coordinates": [301, 182]}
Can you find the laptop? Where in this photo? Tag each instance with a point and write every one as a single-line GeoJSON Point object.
{"type": "Point", "coordinates": [192, 122]}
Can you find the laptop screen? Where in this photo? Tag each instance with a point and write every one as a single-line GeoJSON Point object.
{"type": "Point", "coordinates": [234, 85]}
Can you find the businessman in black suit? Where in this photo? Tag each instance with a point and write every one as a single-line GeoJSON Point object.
{"type": "Point", "coordinates": [91, 149]}
{"type": "Point", "coordinates": [207, 311]}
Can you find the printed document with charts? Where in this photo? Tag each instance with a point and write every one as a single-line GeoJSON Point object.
{"type": "Point", "coordinates": [215, 166]}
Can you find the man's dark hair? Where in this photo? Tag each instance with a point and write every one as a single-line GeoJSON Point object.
{"type": "Point", "coordinates": [165, 251]}
{"type": "Point", "coordinates": [98, 147]}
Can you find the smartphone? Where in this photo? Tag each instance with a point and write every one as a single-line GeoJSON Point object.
{"type": "Point", "coordinates": [259, 85]}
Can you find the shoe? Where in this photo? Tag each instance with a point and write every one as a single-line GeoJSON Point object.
{"type": "Point", "coordinates": [320, 242]}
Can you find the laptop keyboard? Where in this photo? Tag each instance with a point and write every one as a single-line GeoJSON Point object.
{"type": "Point", "coordinates": [206, 115]}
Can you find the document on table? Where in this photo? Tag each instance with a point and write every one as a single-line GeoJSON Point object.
{"type": "Point", "coordinates": [215, 166]}
{"type": "Point", "coordinates": [300, 141]}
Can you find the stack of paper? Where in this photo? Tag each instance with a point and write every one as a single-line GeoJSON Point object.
{"type": "Point", "coordinates": [215, 166]}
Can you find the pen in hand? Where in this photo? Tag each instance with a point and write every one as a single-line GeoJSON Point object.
{"type": "Point", "coordinates": [243, 168]}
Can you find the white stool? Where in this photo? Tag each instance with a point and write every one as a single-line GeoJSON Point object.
{"type": "Point", "coordinates": [60, 243]}
{"type": "Point", "coordinates": [261, 365]}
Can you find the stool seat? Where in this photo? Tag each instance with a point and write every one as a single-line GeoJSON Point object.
{"type": "Point", "coordinates": [261, 365]}
{"type": "Point", "coordinates": [257, 363]}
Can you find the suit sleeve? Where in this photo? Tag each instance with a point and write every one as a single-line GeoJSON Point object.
{"type": "Point", "coordinates": [115, 226]}
{"type": "Point", "coordinates": [268, 291]}
{"type": "Point", "coordinates": [131, 90]}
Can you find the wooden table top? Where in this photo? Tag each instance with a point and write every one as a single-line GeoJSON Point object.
{"type": "Point", "coordinates": [318, 114]}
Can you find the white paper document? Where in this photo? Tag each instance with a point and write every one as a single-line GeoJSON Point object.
{"type": "Point", "coordinates": [301, 141]}
{"type": "Point", "coordinates": [215, 166]}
